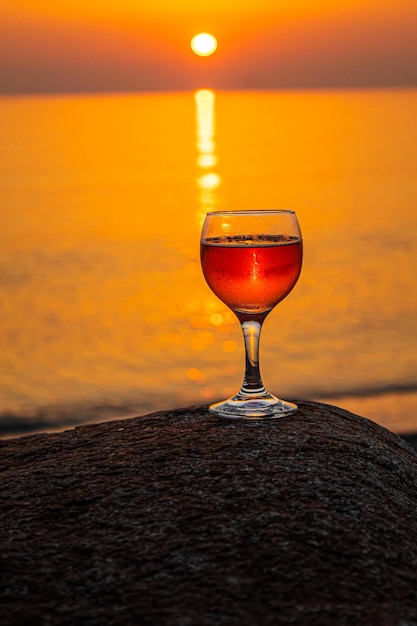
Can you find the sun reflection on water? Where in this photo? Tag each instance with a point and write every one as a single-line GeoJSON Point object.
{"type": "Point", "coordinates": [210, 319]}
{"type": "Point", "coordinates": [208, 180]}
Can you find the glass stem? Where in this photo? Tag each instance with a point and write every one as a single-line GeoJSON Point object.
{"type": "Point", "coordinates": [252, 383]}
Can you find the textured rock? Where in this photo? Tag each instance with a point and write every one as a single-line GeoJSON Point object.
{"type": "Point", "coordinates": [180, 518]}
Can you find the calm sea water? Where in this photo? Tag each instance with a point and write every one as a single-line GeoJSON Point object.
{"type": "Point", "coordinates": [104, 311]}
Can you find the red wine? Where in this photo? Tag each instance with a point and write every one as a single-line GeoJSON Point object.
{"type": "Point", "coordinates": [251, 274]}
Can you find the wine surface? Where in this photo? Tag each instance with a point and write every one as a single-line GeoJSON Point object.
{"type": "Point", "coordinates": [251, 274]}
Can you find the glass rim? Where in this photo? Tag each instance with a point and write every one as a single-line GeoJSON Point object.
{"type": "Point", "coordinates": [252, 212]}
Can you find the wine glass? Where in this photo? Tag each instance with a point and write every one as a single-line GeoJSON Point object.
{"type": "Point", "coordinates": [251, 260]}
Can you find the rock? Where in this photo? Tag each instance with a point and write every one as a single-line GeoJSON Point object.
{"type": "Point", "coordinates": [180, 518]}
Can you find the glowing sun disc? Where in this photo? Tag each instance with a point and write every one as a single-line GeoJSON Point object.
{"type": "Point", "coordinates": [203, 44]}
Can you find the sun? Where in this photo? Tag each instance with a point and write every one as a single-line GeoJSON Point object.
{"type": "Point", "coordinates": [203, 44]}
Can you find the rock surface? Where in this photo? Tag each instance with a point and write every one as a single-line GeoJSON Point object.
{"type": "Point", "coordinates": [180, 518]}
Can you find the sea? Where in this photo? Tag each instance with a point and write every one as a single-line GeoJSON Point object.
{"type": "Point", "coordinates": [104, 312]}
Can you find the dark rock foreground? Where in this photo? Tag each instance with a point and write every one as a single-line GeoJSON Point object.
{"type": "Point", "coordinates": [181, 519]}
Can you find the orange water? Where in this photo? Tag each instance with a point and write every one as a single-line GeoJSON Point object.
{"type": "Point", "coordinates": [104, 309]}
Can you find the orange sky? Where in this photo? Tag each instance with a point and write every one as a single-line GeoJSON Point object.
{"type": "Point", "coordinates": [113, 45]}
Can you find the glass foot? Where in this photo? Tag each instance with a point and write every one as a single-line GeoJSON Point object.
{"type": "Point", "coordinates": [264, 407]}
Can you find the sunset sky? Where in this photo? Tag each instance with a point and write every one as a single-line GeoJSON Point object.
{"type": "Point", "coordinates": [127, 45]}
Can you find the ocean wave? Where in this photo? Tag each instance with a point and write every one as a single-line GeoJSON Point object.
{"type": "Point", "coordinates": [58, 418]}
{"type": "Point", "coordinates": [55, 418]}
{"type": "Point", "coordinates": [368, 391]}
